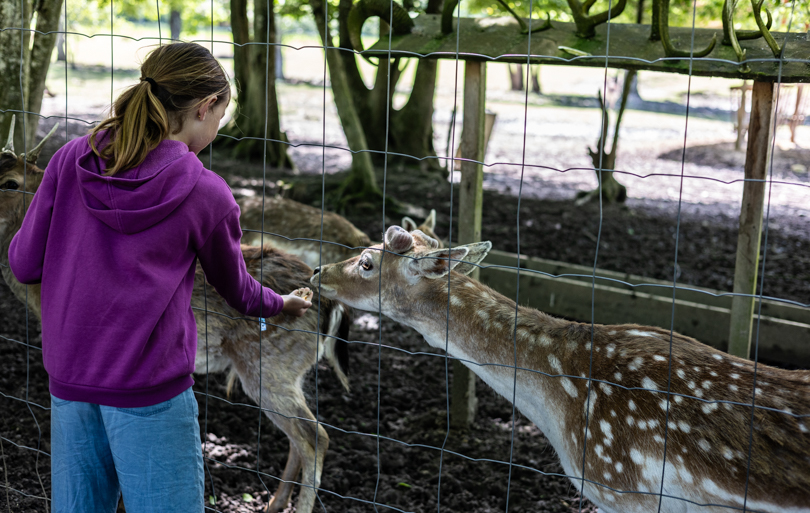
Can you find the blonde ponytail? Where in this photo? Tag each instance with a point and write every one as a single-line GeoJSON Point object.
{"type": "Point", "coordinates": [175, 80]}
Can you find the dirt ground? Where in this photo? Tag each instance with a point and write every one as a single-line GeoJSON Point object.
{"type": "Point", "coordinates": [389, 441]}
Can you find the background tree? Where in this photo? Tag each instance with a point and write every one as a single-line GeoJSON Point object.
{"type": "Point", "coordinates": [256, 122]}
{"type": "Point", "coordinates": [25, 57]}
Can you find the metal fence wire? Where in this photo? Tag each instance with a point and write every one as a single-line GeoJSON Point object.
{"type": "Point", "coordinates": [584, 477]}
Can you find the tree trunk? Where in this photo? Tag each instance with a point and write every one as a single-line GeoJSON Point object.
{"type": "Point", "coordinates": [175, 24]}
{"type": "Point", "coordinates": [24, 65]}
{"type": "Point", "coordinates": [516, 77]}
{"type": "Point", "coordinates": [374, 106]}
{"type": "Point", "coordinates": [257, 121]}
{"type": "Point", "coordinates": [536, 80]}
{"type": "Point", "coordinates": [361, 181]}
{"type": "Point", "coordinates": [61, 56]}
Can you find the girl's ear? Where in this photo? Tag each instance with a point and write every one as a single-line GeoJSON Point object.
{"type": "Point", "coordinates": [206, 106]}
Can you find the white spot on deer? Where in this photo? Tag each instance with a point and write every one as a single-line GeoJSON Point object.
{"type": "Point", "coordinates": [607, 476]}
{"type": "Point", "coordinates": [630, 420]}
{"type": "Point", "coordinates": [678, 399]}
{"type": "Point", "coordinates": [727, 454]}
{"type": "Point", "coordinates": [727, 405]}
{"type": "Point", "coordinates": [696, 369]}
{"type": "Point", "coordinates": [544, 340]}
{"type": "Point", "coordinates": [649, 384]}
{"type": "Point", "coordinates": [703, 444]}
{"type": "Point", "coordinates": [663, 404]}
{"type": "Point", "coordinates": [632, 405]}
{"type": "Point", "coordinates": [737, 364]}
{"type": "Point", "coordinates": [713, 374]}
{"type": "Point", "coordinates": [652, 423]}
{"type": "Point", "coordinates": [717, 357]}
{"type": "Point", "coordinates": [658, 438]}
{"type": "Point", "coordinates": [617, 376]}
{"type": "Point", "coordinates": [681, 374]}
{"type": "Point", "coordinates": [636, 363]}
{"type": "Point", "coordinates": [642, 425]}
{"type": "Point", "coordinates": [636, 456]}
{"type": "Point", "coordinates": [659, 358]}
{"type": "Point", "coordinates": [803, 428]}
{"type": "Point", "coordinates": [555, 364]}
{"type": "Point", "coordinates": [691, 385]}
{"type": "Point", "coordinates": [733, 387]}
{"type": "Point", "coordinates": [606, 388]}
{"type": "Point", "coordinates": [607, 429]}
{"type": "Point", "coordinates": [679, 458]}
{"type": "Point", "coordinates": [483, 315]}
{"type": "Point", "coordinates": [639, 333]}
{"type": "Point", "coordinates": [471, 285]}
{"type": "Point", "coordinates": [613, 332]}
{"type": "Point", "coordinates": [686, 428]}
{"type": "Point", "coordinates": [610, 348]}
{"type": "Point", "coordinates": [569, 387]}
{"type": "Point", "coordinates": [706, 384]}
{"type": "Point", "coordinates": [619, 466]}
{"type": "Point", "coordinates": [698, 393]}
{"type": "Point", "coordinates": [707, 408]}
{"type": "Point", "coordinates": [613, 413]}
{"type": "Point", "coordinates": [456, 301]}
{"type": "Point", "coordinates": [734, 375]}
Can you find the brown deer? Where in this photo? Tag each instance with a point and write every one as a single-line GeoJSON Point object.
{"type": "Point", "coordinates": [296, 228]}
{"type": "Point", "coordinates": [226, 340]}
{"type": "Point", "coordinates": [643, 419]}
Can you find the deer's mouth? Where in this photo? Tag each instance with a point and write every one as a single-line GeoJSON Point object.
{"type": "Point", "coordinates": [324, 290]}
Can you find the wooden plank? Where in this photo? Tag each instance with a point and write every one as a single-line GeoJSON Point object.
{"type": "Point", "coordinates": [500, 39]}
{"type": "Point", "coordinates": [691, 293]}
{"type": "Point", "coordinates": [757, 158]}
{"type": "Point", "coordinates": [463, 403]}
{"type": "Point", "coordinates": [780, 341]}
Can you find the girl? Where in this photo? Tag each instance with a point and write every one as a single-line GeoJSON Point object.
{"type": "Point", "coordinates": [113, 234]}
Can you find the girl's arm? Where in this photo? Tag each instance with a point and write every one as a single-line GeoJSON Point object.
{"type": "Point", "coordinates": [26, 253]}
{"type": "Point", "coordinates": [221, 259]}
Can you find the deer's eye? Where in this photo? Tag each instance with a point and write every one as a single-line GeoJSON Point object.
{"type": "Point", "coordinates": [11, 184]}
{"type": "Point", "coordinates": [366, 264]}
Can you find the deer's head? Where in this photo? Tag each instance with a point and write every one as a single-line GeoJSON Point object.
{"type": "Point", "coordinates": [19, 178]}
{"type": "Point", "coordinates": [392, 274]}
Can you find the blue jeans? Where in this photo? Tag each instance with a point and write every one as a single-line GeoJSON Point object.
{"type": "Point", "coordinates": [151, 455]}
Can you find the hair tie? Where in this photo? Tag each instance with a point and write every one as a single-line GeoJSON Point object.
{"type": "Point", "coordinates": [151, 81]}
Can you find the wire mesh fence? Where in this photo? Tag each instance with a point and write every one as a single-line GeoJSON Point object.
{"type": "Point", "coordinates": [638, 418]}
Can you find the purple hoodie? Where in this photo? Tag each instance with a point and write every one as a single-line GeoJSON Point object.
{"type": "Point", "coordinates": [116, 258]}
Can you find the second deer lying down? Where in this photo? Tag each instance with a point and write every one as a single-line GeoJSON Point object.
{"type": "Point", "coordinates": [635, 424]}
{"type": "Point", "coordinates": [288, 348]}
{"type": "Point", "coordinates": [298, 229]}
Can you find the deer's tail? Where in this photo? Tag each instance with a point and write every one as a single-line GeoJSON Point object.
{"type": "Point", "coordinates": [336, 349]}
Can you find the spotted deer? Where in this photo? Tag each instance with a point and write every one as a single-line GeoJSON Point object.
{"type": "Point", "coordinates": [227, 341]}
{"type": "Point", "coordinates": [640, 417]}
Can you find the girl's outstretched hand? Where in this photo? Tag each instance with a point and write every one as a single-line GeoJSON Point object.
{"type": "Point", "coordinates": [297, 303]}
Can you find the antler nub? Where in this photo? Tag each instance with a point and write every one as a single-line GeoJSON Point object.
{"type": "Point", "coordinates": [9, 147]}
{"type": "Point", "coordinates": [398, 240]}
{"type": "Point", "coordinates": [33, 155]}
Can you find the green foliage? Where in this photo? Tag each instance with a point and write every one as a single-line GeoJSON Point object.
{"type": "Point", "coordinates": [94, 16]}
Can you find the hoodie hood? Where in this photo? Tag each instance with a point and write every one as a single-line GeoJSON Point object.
{"type": "Point", "coordinates": [138, 198]}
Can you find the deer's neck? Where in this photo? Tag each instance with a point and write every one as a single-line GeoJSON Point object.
{"type": "Point", "coordinates": [492, 337]}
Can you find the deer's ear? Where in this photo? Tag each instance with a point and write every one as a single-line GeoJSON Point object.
{"type": "Point", "coordinates": [430, 221]}
{"type": "Point", "coordinates": [477, 251]}
{"type": "Point", "coordinates": [438, 263]}
{"type": "Point", "coordinates": [397, 240]}
{"type": "Point", "coordinates": [409, 224]}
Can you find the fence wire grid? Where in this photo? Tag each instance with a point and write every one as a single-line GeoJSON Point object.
{"type": "Point", "coordinates": [214, 502]}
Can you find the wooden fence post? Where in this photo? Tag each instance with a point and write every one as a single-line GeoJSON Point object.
{"type": "Point", "coordinates": [757, 159]}
{"type": "Point", "coordinates": [463, 402]}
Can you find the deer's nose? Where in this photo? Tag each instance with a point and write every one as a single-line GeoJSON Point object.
{"type": "Point", "coordinates": [316, 271]}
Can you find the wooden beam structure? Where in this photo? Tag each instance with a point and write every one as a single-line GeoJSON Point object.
{"type": "Point", "coordinates": [463, 403]}
{"type": "Point", "coordinates": [701, 313]}
{"type": "Point", "coordinates": [757, 160]}
{"type": "Point", "coordinates": [500, 39]}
